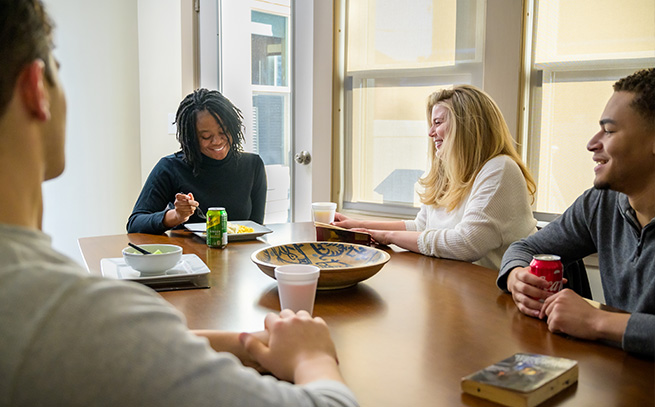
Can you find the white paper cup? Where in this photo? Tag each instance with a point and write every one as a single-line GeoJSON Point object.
{"type": "Point", "coordinates": [324, 211]}
{"type": "Point", "coordinates": [296, 285]}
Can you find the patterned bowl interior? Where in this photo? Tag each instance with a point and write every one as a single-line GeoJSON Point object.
{"type": "Point", "coordinates": [341, 264]}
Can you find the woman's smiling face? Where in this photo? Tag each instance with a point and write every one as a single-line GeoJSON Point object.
{"type": "Point", "coordinates": [439, 125]}
{"type": "Point", "coordinates": [213, 141]}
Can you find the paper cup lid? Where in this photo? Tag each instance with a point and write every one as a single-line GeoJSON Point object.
{"type": "Point", "coordinates": [324, 205]}
{"type": "Point", "coordinates": [297, 272]}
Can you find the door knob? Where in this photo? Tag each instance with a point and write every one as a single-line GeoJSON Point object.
{"type": "Point", "coordinates": [303, 157]}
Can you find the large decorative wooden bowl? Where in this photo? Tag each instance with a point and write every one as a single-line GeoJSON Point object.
{"type": "Point", "coordinates": [342, 264]}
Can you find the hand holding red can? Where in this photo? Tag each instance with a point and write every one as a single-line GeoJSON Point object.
{"type": "Point", "coordinates": [548, 267]}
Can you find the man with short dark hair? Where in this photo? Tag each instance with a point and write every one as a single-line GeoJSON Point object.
{"type": "Point", "coordinates": [68, 338]}
{"type": "Point", "coordinates": [615, 219]}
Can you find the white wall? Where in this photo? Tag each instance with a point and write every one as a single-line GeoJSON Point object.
{"type": "Point", "coordinates": [121, 70]}
{"type": "Point", "coordinates": [160, 77]}
{"type": "Point", "coordinates": [235, 62]}
{"type": "Point", "coordinates": [96, 43]}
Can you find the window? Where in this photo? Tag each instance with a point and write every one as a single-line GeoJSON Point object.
{"type": "Point", "coordinates": [271, 91]}
{"type": "Point", "coordinates": [395, 55]}
{"type": "Point", "coordinates": [576, 50]}
{"type": "Point", "coordinates": [271, 101]}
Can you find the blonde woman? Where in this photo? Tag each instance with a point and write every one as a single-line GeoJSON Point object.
{"type": "Point", "coordinates": [476, 196]}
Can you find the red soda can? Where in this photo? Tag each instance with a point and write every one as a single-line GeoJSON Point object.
{"type": "Point", "coordinates": [548, 267]}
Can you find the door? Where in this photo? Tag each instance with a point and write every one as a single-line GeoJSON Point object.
{"type": "Point", "coordinates": [253, 52]}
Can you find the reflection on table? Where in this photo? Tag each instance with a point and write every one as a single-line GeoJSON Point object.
{"type": "Point", "coordinates": [407, 335]}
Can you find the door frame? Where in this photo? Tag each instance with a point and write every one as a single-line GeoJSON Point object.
{"type": "Point", "coordinates": [313, 22]}
{"type": "Point", "coordinates": [311, 97]}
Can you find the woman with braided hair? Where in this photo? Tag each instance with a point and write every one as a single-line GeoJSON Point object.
{"type": "Point", "coordinates": [211, 169]}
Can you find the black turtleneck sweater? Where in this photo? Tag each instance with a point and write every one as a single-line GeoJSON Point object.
{"type": "Point", "coordinates": [237, 183]}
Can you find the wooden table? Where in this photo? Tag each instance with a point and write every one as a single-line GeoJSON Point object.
{"type": "Point", "coordinates": [407, 335]}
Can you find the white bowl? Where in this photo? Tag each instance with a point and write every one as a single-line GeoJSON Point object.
{"type": "Point", "coordinates": [153, 263]}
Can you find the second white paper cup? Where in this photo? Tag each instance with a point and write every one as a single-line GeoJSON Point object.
{"type": "Point", "coordinates": [324, 211]}
{"type": "Point", "coordinates": [297, 286]}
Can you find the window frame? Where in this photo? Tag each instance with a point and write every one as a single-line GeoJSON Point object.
{"type": "Point", "coordinates": [498, 72]}
{"type": "Point", "coordinates": [533, 73]}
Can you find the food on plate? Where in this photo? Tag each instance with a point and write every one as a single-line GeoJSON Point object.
{"type": "Point", "coordinates": [234, 228]}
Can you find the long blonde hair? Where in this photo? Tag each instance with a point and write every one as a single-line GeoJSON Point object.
{"type": "Point", "coordinates": [477, 132]}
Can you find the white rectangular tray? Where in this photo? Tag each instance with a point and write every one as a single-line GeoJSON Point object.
{"type": "Point", "coordinates": [200, 230]}
{"type": "Point", "coordinates": [189, 267]}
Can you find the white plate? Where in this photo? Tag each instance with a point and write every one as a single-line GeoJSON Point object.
{"type": "Point", "coordinates": [188, 267]}
{"type": "Point", "coordinates": [200, 230]}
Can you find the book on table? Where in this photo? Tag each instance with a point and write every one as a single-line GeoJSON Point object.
{"type": "Point", "coordinates": [522, 380]}
{"type": "Point", "coordinates": [330, 233]}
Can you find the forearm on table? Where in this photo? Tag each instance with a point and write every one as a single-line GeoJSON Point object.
{"type": "Point", "coordinates": [224, 341]}
{"type": "Point", "coordinates": [144, 222]}
{"type": "Point", "coordinates": [221, 341]}
{"type": "Point", "coordinates": [611, 326]}
{"type": "Point", "coordinates": [405, 239]}
{"type": "Point", "coordinates": [461, 243]}
{"type": "Point", "coordinates": [320, 368]}
{"type": "Point", "coordinates": [509, 279]}
{"type": "Point", "coordinates": [171, 219]}
{"type": "Point", "coordinates": [639, 334]}
{"type": "Point", "coordinates": [502, 281]}
{"type": "Point", "coordinates": [382, 224]}
{"type": "Point", "coordinates": [517, 255]}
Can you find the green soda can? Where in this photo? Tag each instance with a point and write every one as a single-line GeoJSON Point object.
{"type": "Point", "coordinates": [217, 227]}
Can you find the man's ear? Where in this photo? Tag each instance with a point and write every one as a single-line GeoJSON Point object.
{"type": "Point", "coordinates": [31, 88]}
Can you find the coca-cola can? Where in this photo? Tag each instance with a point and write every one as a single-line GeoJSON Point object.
{"type": "Point", "coordinates": [548, 267]}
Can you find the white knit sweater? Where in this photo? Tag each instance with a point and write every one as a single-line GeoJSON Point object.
{"type": "Point", "coordinates": [494, 214]}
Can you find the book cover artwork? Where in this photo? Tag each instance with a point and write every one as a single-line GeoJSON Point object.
{"type": "Point", "coordinates": [523, 372]}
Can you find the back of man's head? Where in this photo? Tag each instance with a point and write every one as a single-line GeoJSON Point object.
{"type": "Point", "coordinates": [25, 35]}
{"type": "Point", "coordinates": [642, 84]}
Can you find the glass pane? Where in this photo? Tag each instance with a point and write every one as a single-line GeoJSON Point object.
{"type": "Point", "coordinates": [572, 48]}
{"type": "Point", "coordinates": [564, 166]}
{"type": "Point", "coordinates": [389, 153]}
{"type": "Point", "coordinates": [270, 49]}
{"type": "Point", "coordinates": [271, 113]}
{"type": "Point", "coordinates": [570, 30]}
{"type": "Point", "coordinates": [401, 34]}
{"type": "Point", "coordinates": [397, 53]}
{"type": "Point", "coordinates": [271, 104]}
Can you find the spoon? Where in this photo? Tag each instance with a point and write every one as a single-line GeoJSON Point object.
{"type": "Point", "coordinates": [140, 249]}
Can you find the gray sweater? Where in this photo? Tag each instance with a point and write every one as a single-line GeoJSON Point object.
{"type": "Point", "coordinates": [69, 339]}
{"type": "Point", "coordinates": [602, 221]}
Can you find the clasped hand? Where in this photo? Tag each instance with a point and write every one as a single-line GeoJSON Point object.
{"type": "Point", "coordinates": [566, 311]}
{"type": "Point", "coordinates": [298, 347]}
